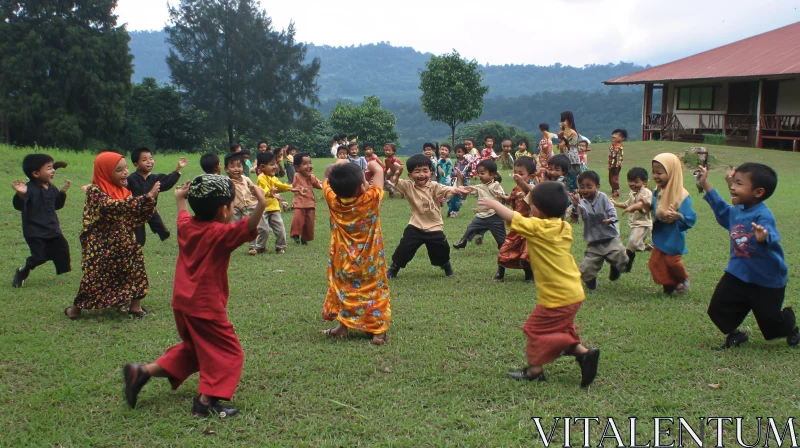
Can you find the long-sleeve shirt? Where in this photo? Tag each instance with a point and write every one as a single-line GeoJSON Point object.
{"type": "Point", "coordinates": [762, 264]}
{"type": "Point", "coordinates": [639, 218]}
{"type": "Point", "coordinates": [244, 198]}
{"type": "Point", "coordinates": [426, 208]}
{"type": "Point", "coordinates": [305, 198]}
{"type": "Point", "coordinates": [671, 238]}
{"type": "Point", "coordinates": [447, 168]}
{"type": "Point", "coordinates": [140, 186]}
{"type": "Point", "coordinates": [615, 156]}
{"type": "Point", "coordinates": [489, 190]}
{"type": "Point", "coordinates": [266, 183]}
{"type": "Point", "coordinates": [39, 219]}
{"type": "Point", "coordinates": [593, 213]}
{"type": "Point", "coordinates": [488, 154]}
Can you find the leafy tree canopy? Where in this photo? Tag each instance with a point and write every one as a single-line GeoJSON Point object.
{"type": "Point", "coordinates": [368, 120]}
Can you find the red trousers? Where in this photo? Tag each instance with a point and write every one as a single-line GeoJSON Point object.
{"type": "Point", "coordinates": [210, 347]}
{"type": "Point", "coordinates": [550, 331]}
{"type": "Point", "coordinates": [667, 270]}
{"type": "Point", "coordinates": [613, 178]}
{"type": "Point", "coordinates": [303, 223]}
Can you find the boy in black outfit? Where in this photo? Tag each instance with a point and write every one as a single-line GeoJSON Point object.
{"type": "Point", "coordinates": [141, 181]}
{"type": "Point", "coordinates": [210, 163]}
{"type": "Point", "coordinates": [38, 201]}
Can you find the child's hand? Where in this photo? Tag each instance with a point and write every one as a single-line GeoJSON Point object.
{"type": "Point", "coordinates": [85, 187]}
{"type": "Point", "coordinates": [730, 172]}
{"type": "Point", "coordinates": [182, 162]}
{"type": "Point", "coordinates": [66, 186]}
{"type": "Point", "coordinates": [488, 204]}
{"type": "Point", "coordinates": [273, 192]}
{"type": "Point", "coordinates": [19, 186]}
{"type": "Point", "coordinates": [576, 199]}
{"type": "Point", "coordinates": [761, 232]}
{"type": "Point", "coordinates": [609, 221]}
{"type": "Point", "coordinates": [516, 177]}
{"type": "Point", "coordinates": [182, 192]}
{"type": "Point", "coordinates": [153, 193]}
{"type": "Point", "coordinates": [671, 215]}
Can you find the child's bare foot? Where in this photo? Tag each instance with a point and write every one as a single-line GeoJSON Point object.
{"type": "Point", "coordinates": [380, 339]}
{"type": "Point", "coordinates": [339, 331]}
{"type": "Point", "coordinates": [251, 252]}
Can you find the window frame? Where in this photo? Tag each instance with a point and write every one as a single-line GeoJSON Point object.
{"type": "Point", "coordinates": [690, 88]}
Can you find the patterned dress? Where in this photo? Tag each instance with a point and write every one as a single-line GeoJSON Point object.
{"type": "Point", "coordinates": [112, 261]}
{"type": "Point", "coordinates": [545, 151]}
{"type": "Point", "coordinates": [574, 159]}
{"type": "Point", "coordinates": [358, 290]}
{"type": "Point", "coordinates": [514, 252]}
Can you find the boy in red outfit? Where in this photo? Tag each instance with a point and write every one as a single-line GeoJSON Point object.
{"type": "Point", "coordinates": [200, 297]}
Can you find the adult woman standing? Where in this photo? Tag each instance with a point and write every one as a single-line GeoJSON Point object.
{"type": "Point", "coordinates": [571, 136]}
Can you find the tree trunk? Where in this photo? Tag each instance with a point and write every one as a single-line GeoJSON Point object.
{"type": "Point", "coordinates": [453, 135]}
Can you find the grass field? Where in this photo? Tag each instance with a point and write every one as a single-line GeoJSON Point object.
{"type": "Point", "coordinates": [441, 379]}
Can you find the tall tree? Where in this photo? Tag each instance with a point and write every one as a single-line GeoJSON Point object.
{"type": "Point", "coordinates": [65, 72]}
{"type": "Point", "coordinates": [231, 64]}
{"type": "Point", "coordinates": [368, 120]}
{"type": "Point", "coordinates": [452, 90]}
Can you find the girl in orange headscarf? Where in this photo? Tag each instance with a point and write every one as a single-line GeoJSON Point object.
{"type": "Point", "coordinates": [673, 217]}
{"type": "Point", "coordinates": [113, 265]}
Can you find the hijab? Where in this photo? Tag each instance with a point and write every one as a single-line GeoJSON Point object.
{"type": "Point", "coordinates": [104, 165]}
{"type": "Point", "coordinates": [674, 193]}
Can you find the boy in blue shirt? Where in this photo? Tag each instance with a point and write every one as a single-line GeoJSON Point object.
{"type": "Point", "coordinates": [756, 276]}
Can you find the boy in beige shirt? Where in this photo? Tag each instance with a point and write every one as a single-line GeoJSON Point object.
{"type": "Point", "coordinates": [638, 205]}
{"type": "Point", "coordinates": [426, 225]}
{"type": "Point", "coordinates": [485, 218]}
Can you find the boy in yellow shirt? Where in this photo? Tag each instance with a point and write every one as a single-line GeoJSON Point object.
{"type": "Point", "coordinates": [267, 181]}
{"type": "Point", "coordinates": [550, 329]}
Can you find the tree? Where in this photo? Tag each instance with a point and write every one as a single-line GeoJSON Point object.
{"type": "Point", "coordinates": [452, 90]}
{"type": "Point", "coordinates": [65, 72]}
{"type": "Point", "coordinates": [498, 131]}
{"type": "Point", "coordinates": [368, 120]}
{"type": "Point", "coordinates": [231, 64]}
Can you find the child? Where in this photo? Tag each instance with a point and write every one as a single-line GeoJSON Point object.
{"type": "Point", "coordinates": [304, 202]}
{"type": "Point", "coordinates": [394, 168]}
{"type": "Point", "coordinates": [288, 165]}
{"type": "Point", "coordinates": [272, 186]}
{"type": "Point", "coordinates": [200, 297]}
{"type": "Point", "coordinates": [514, 252]}
{"type": "Point", "coordinates": [615, 159]}
{"type": "Point", "coordinates": [248, 165]}
{"type": "Point", "coordinates": [38, 201]}
{"type": "Point", "coordinates": [583, 148]}
{"type": "Point", "coordinates": [210, 163]}
{"type": "Point", "coordinates": [756, 276]}
{"type": "Point", "coordinates": [485, 219]}
{"type": "Point", "coordinates": [640, 220]}
{"type": "Point", "coordinates": [358, 288]}
{"type": "Point", "coordinates": [672, 218]}
{"type": "Point", "coordinates": [487, 153]}
{"type": "Point", "coordinates": [335, 146]}
{"type": "Point", "coordinates": [425, 226]}
{"type": "Point", "coordinates": [237, 149]}
{"type": "Point", "coordinates": [352, 151]}
{"type": "Point", "coordinates": [343, 153]}
{"type": "Point", "coordinates": [473, 156]}
{"type": "Point", "coordinates": [555, 170]}
{"type": "Point", "coordinates": [444, 167]}
{"type": "Point", "coordinates": [522, 150]}
{"type": "Point", "coordinates": [244, 202]}
{"type": "Point", "coordinates": [429, 149]}
{"type": "Point", "coordinates": [113, 267]}
{"type": "Point", "coordinates": [142, 180]}
{"type": "Point", "coordinates": [600, 230]}
{"type": "Point", "coordinates": [459, 177]}
{"type": "Point", "coordinates": [550, 328]}
{"type": "Point", "coordinates": [507, 161]}
{"type": "Point", "coordinates": [545, 145]}
{"type": "Point", "coordinates": [570, 148]}
{"type": "Point", "coordinates": [369, 156]}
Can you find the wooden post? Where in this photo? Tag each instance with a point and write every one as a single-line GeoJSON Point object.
{"type": "Point", "coordinates": [760, 100]}
{"type": "Point", "coordinates": [647, 105]}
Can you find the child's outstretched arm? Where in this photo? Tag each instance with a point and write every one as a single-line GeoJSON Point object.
{"type": "Point", "coordinates": [377, 173]}
{"type": "Point", "coordinates": [20, 187]}
{"type": "Point", "coordinates": [611, 213]}
{"type": "Point", "coordinates": [524, 186]}
{"type": "Point", "coordinates": [502, 211]}
{"type": "Point", "coordinates": [258, 211]}
{"type": "Point", "coordinates": [181, 193]}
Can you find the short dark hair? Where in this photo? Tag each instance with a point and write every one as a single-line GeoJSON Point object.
{"type": "Point", "coordinates": [591, 175]}
{"type": "Point", "coordinates": [561, 161]}
{"type": "Point", "coordinates": [369, 145]}
{"type": "Point", "coordinates": [264, 158]}
{"type": "Point", "coordinates": [524, 140]}
{"type": "Point", "coordinates": [470, 139]}
{"type": "Point", "coordinates": [391, 145]}
{"type": "Point", "coordinates": [350, 145]}
{"type": "Point", "coordinates": [487, 138]}
{"type": "Point", "coordinates": [489, 165]}
{"type": "Point", "coordinates": [244, 152]}
{"type": "Point", "coordinates": [446, 145]}
{"type": "Point", "coordinates": [298, 159]}
{"type": "Point", "coordinates": [258, 145]}
{"type": "Point", "coordinates": [342, 148]}
{"type": "Point", "coordinates": [137, 153]}
{"type": "Point", "coordinates": [291, 148]}
{"type": "Point", "coordinates": [761, 176]}
{"type": "Point", "coordinates": [428, 145]}
{"type": "Point", "coordinates": [209, 163]}
{"type": "Point", "coordinates": [550, 198]}
{"type": "Point", "coordinates": [637, 173]}
{"type": "Point", "coordinates": [526, 162]}
{"type": "Point", "coordinates": [418, 160]}
{"type": "Point", "coordinates": [345, 179]}
{"type": "Point", "coordinates": [621, 132]}
{"type": "Point", "coordinates": [584, 142]}
{"type": "Point", "coordinates": [233, 157]}
{"type": "Point", "coordinates": [234, 146]}
{"type": "Point", "coordinates": [461, 147]}
{"type": "Point", "coordinates": [544, 127]}
{"type": "Point", "coordinates": [205, 209]}
{"type": "Point", "coordinates": [34, 162]}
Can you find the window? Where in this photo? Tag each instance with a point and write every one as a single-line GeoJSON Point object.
{"type": "Point", "coordinates": [696, 98]}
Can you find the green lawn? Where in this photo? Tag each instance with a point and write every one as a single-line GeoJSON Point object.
{"type": "Point", "coordinates": [441, 379]}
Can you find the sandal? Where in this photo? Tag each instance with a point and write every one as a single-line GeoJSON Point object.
{"type": "Point", "coordinates": [71, 317]}
{"type": "Point", "coordinates": [332, 332]}
{"type": "Point", "coordinates": [138, 314]}
{"type": "Point", "coordinates": [380, 339]}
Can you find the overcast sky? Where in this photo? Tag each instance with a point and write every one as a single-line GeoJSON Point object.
{"type": "Point", "coordinates": [572, 32]}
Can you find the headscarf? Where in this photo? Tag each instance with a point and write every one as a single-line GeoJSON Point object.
{"type": "Point", "coordinates": [208, 186]}
{"type": "Point", "coordinates": [104, 165]}
{"type": "Point", "coordinates": [674, 193]}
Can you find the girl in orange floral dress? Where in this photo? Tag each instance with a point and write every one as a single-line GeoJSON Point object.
{"type": "Point", "coordinates": [358, 291]}
{"type": "Point", "coordinates": [514, 251]}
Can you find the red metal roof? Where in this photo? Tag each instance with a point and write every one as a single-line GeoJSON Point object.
{"type": "Point", "coordinates": [775, 52]}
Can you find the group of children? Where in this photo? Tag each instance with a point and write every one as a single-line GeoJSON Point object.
{"type": "Point", "coordinates": [232, 210]}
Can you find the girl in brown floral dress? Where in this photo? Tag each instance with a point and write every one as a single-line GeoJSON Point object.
{"type": "Point", "coordinates": [113, 264]}
{"type": "Point", "coordinates": [514, 251]}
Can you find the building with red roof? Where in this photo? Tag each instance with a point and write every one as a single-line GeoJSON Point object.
{"type": "Point", "coordinates": [747, 90]}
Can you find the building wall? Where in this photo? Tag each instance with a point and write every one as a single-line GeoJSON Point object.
{"type": "Point", "coordinates": [789, 97]}
{"type": "Point", "coordinates": [690, 119]}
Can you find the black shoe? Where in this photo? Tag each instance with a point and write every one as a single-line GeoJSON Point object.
{"type": "Point", "coordinates": [478, 240]}
{"type": "Point", "coordinates": [448, 270]}
{"type": "Point", "coordinates": [736, 339]}
{"type": "Point", "coordinates": [392, 271]}
{"type": "Point", "coordinates": [528, 273]}
{"type": "Point", "coordinates": [461, 244]}
{"type": "Point", "coordinates": [614, 275]}
{"type": "Point", "coordinates": [591, 285]}
{"type": "Point", "coordinates": [520, 375]}
{"type": "Point", "coordinates": [20, 275]}
{"type": "Point", "coordinates": [296, 239]}
{"type": "Point", "coordinates": [164, 235]}
{"type": "Point", "coordinates": [201, 410]}
{"type": "Point", "coordinates": [588, 363]}
{"type": "Point", "coordinates": [135, 378]}
{"type": "Point", "coordinates": [669, 290]}
{"type": "Point", "coordinates": [631, 257]}
{"type": "Point", "coordinates": [501, 272]}
{"type": "Point", "coordinates": [794, 338]}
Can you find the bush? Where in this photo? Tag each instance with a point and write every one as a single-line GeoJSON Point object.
{"type": "Point", "coordinates": [714, 139]}
{"type": "Point", "coordinates": [691, 160]}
